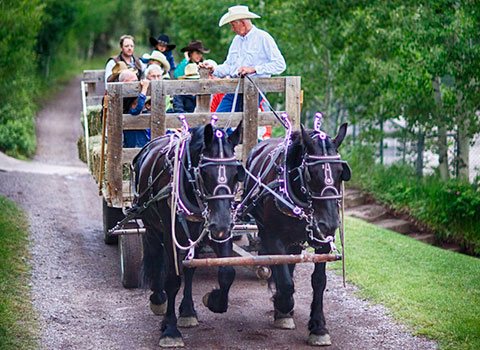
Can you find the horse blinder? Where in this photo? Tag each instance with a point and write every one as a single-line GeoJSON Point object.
{"type": "Point", "coordinates": [240, 173]}
{"type": "Point", "coordinates": [346, 173]}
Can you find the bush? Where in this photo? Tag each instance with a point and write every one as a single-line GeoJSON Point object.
{"type": "Point", "coordinates": [451, 209]}
{"type": "Point", "coordinates": [19, 23]}
{"type": "Point", "coordinates": [17, 130]}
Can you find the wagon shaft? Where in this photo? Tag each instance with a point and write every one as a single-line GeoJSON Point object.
{"type": "Point", "coordinates": [262, 260]}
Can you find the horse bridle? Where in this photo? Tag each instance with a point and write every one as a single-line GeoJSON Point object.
{"type": "Point", "coordinates": [222, 163]}
{"type": "Point", "coordinates": [304, 174]}
{"type": "Point", "coordinates": [202, 194]}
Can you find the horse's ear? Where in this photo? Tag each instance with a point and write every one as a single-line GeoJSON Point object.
{"type": "Point", "coordinates": [208, 135]}
{"type": "Point", "coordinates": [236, 136]}
{"type": "Point", "coordinates": [306, 139]}
{"type": "Point", "coordinates": [342, 131]}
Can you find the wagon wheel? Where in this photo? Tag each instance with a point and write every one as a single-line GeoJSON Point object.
{"type": "Point", "coordinates": [131, 254]}
{"type": "Point", "coordinates": [110, 218]}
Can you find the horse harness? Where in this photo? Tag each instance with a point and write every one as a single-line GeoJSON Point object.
{"type": "Point", "coordinates": [284, 198]}
{"type": "Point", "coordinates": [186, 210]}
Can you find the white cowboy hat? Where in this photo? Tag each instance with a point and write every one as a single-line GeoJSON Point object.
{"type": "Point", "coordinates": [157, 56]}
{"type": "Point", "coordinates": [236, 12]}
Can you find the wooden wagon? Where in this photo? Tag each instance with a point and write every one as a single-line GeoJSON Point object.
{"type": "Point", "coordinates": [109, 161]}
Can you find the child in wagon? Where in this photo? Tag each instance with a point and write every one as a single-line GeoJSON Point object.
{"type": "Point", "coordinates": [162, 44]}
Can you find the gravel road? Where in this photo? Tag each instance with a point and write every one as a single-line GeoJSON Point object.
{"type": "Point", "coordinates": [76, 287]}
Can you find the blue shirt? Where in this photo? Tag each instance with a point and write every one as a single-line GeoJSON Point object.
{"type": "Point", "coordinates": [256, 49]}
{"type": "Point", "coordinates": [136, 138]}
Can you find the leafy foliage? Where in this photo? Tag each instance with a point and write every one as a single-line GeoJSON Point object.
{"type": "Point", "coordinates": [19, 23]}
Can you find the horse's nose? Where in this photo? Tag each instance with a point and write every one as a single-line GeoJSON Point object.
{"type": "Point", "coordinates": [218, 231]}
{"type": "Point", "coordinates": [327, 228]}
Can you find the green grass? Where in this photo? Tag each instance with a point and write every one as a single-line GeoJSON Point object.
{"type": "Point", "coordinates": [434, 291]}
{"type": "Point", "coordinates": [18, 327]}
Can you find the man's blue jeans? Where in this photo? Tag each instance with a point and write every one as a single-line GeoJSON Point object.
{"type": "Point", "coordinates": [227, 103]}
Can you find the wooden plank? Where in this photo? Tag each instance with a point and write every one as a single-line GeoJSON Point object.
{"type": "Point", "coordinates": [254, 260]}
{"type": "Point", "coordinates": [293, 100]}
{"type": "Point", "coordinates": [157, 121]}
{"type": "Point", "coordinates": [141, 122]}
{"type": "Point", "coordinates": [94, 76]}
{"type": "Point", "coordinates": [204, 86]}
{"type": "Point", "coordinates": [136, 122]}
{"type": "Point", "coordinates": [114, 147]}
{"type": "Point", "coordinates": [94, 100]}
{"type": "Point", "coordinates": [250, 118]}
{"type": "Point", "coordinates": [203, 101]}
{"type": "Point", "coordinates": [128, 154]}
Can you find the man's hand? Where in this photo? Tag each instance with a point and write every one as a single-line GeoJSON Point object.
{"type": "Point", "coordinates": [242, 71]}
{"type": "Point", "coordinates": [206, 65]}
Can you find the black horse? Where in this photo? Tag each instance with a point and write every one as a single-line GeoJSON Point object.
{"type": "Point", "coordinates": [306, 173]}
{"type": "Point", "coordinates": [207, 177]}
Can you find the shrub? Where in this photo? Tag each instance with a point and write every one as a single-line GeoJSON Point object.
{"type": "Point", "coordinates": [17, 130]}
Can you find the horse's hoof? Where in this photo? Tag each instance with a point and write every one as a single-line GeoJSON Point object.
{"type": "Point", "coordinates": [205, 299]}
{"type": "Point", "coordinates": [284, 323]}
{"type": "Point", "coordinates": [319, 340]}
{"type": "Point", "coordinates": [169, 342]}
{"type": "Point", "coordinates": [158, 309]}
{"type": "Point", "coordinates": [187, 322]}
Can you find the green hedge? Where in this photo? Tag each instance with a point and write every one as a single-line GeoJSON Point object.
{"type": "Point", "coordinates": [19, 25]}
{"type": "Point", "coordinates": [43, 43]}
{"type": "Point", "coordinates": [451, 209]}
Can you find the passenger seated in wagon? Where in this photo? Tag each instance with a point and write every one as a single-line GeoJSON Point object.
{"type": "Point", "coordinates": [157, 58]}
{"type": "Point", "coordinates": [126, 55]}
{"type": "Point", "coordinates": [187, 103]}
{"type": "Point", "coordinates": [194, 52]}
{"type": "Point", "coordinates": [162, 44]}
{"type": "Point", "coordinates": [140, 104]}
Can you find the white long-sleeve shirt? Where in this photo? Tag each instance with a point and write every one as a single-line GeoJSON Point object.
{"type": "Point", "coordinates": [256, 49]}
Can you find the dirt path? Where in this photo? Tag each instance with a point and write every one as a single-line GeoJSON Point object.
{"type": "Point", "coordinates": [75, 279]}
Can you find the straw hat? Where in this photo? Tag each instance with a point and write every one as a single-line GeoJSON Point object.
{"type": "Point", "coordinates": [117, 69]}
{"type": "Point", "coordinates": [157, 56]}
{"type": "Point", "coordinates": [191, 71]}
{"type": "Point", "coordinates": [235, 13]}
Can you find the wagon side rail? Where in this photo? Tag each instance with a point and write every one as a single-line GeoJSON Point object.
{"type": "Point", "coordinates": [158, 120]}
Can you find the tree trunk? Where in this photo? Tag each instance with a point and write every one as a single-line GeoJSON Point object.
{"type": "Point", "coordinates": [463, 151]}
{"type": "Point", "coordinates": [442, 133]}
{"type": "Point", "coordinates": [381, 140]}
{"type": "Point", "coordinates": [420, 149]}
{"type": "Point", "coordinates": [328, 94]}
